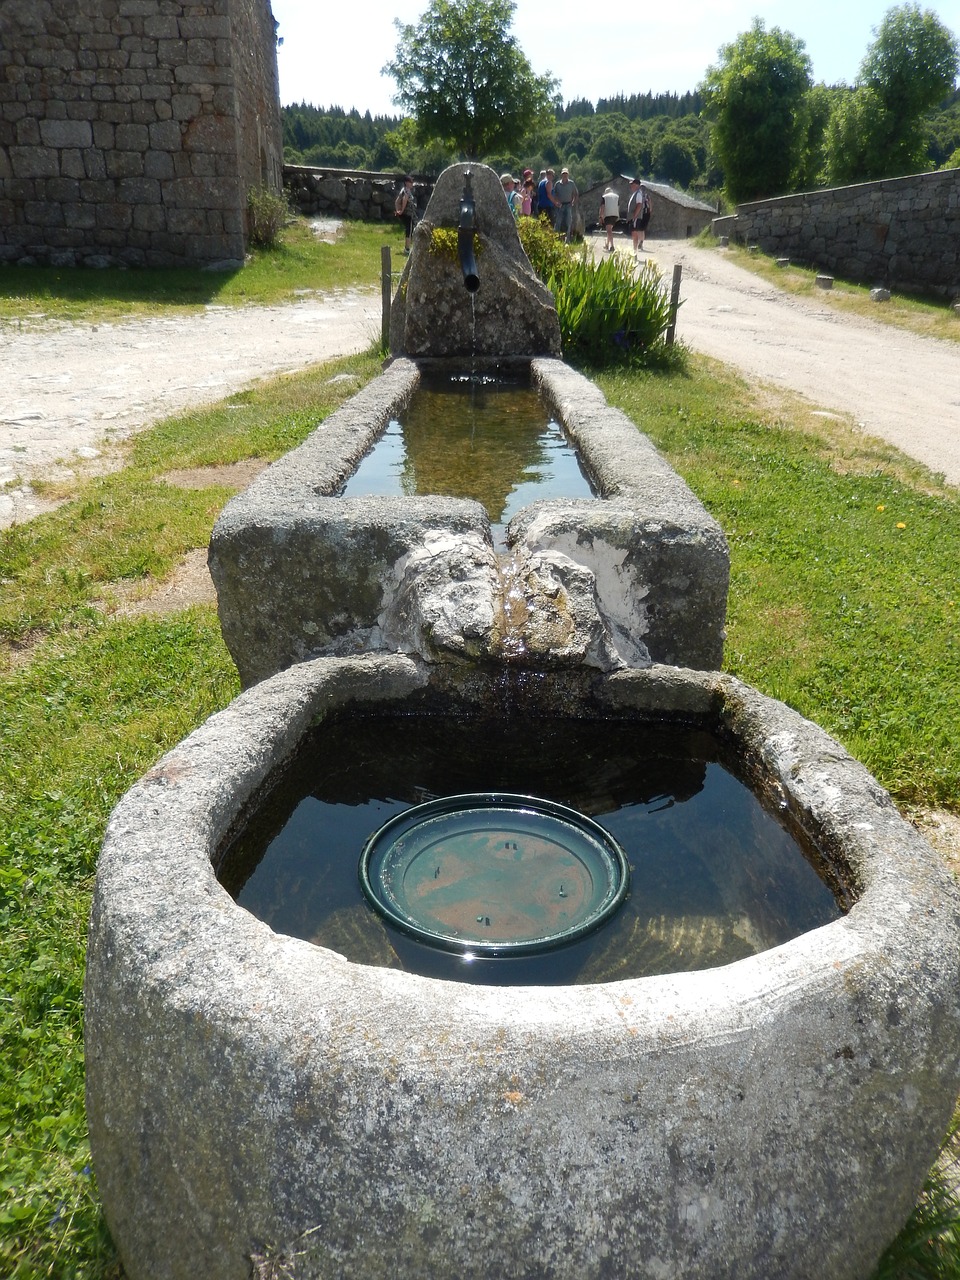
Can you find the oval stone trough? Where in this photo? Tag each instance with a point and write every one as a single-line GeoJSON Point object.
{"type": "Point", "coordinates": [256, 1101]}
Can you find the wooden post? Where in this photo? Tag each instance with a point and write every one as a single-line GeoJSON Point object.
{"type": "Point", "coordinates": [674, 303]}
{"type": "Point", "coordinates": [385, 291]}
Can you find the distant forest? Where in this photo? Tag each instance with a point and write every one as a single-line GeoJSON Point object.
{"type": "Point", "coordinates": [659, 136]}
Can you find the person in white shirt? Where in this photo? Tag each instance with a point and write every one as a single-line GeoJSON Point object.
{"type": "Point", "coordinates": [609, 215]}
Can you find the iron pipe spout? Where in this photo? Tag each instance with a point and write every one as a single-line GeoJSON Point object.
{"type": "Point", "coordinates": [465, 230]}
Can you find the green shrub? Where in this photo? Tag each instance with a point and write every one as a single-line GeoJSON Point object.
{"type": "Point", "coordinates": [609, 316]}
{"type": "Point", "coordinates": [548, 254]}
{"type": "Point", "coordinates": [267, 212]}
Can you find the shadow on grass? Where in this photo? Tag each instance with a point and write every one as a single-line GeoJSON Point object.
{"type": "Point", "coordinates": [68, 285]}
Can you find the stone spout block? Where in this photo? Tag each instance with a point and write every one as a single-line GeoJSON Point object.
{"type": "Point", "coordinates": [638, 575]}
{"type": "Point", "coordinates": [511, 311]}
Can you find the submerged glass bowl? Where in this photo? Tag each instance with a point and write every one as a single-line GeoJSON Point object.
{"type": "Point", "coordinates": [494, 874]}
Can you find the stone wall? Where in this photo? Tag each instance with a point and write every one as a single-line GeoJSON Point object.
{"type": "Point", "coordinates": [901, 232]}
{"type": "Point", "coordinates": [349, 193]}
{"type": "Point", "coordinates": [132, 130]}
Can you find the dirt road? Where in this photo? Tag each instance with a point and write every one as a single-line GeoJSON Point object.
{"type": "Point", "coordinates": [65, 391]}
{"type": "Point", "coordinates": [68, 391]}
{"type": "Point", "coordinates": [900, 387]}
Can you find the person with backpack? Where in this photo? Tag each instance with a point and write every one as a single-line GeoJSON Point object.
{"type": "Point", "coordinates": [514, 200]}
{"type": "Point", "coordinates": [638, 213]}
{"type": "Point", "coordinates": [406, 208]}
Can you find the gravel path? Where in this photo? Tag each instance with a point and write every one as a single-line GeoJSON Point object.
{"type": "Point", "coordinates": [896, 385]}
{"type": "Point", "coordinates": [67, 391]}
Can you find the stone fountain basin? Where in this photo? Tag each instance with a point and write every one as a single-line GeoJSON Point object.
{"type": "Point", "coordinates": [302, 573]}
{"type": "Point", "coordinates": [255, 1096]}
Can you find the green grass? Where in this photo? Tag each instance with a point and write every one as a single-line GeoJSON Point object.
{"type": "Point", "coordinates": [842, 554]}
{"type": "Point", "coordinates": [833, 607]}
{"type": "Point", "coordinates": [132, 524]}
{"type": "Point", "coordinates": [299, 264]}
{"type": "Point", "coordinates": [77, 727]}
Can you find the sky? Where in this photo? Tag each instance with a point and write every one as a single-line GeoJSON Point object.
{"type": "Point", "coordinates": [332, 54]}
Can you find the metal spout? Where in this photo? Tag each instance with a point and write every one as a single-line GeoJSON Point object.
{"type": "Point", "coordinates": [465, 230]}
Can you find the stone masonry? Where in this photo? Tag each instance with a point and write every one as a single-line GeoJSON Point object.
{"type": "Point", "coordinates": [899, 232]}
{"type": "Point", "coordinates": [131, 131]}
{"type": "Point", "coordinates": [350, 193]}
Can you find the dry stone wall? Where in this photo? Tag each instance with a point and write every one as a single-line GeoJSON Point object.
{"type": "Point", "coordinates": [132, 130]}
{"type": "Point", "coordinates": [349, 193]}
{"type": "Point", "coordinates": [901, 232]}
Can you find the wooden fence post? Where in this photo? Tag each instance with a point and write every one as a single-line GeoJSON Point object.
{"type": "Point", "coordinates": [385, 283]}
{"type": "Point", "coordinates": [674, 304]}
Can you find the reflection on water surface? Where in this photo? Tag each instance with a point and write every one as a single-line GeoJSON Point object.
{"type": "Point", "coordinates": [714, 876]}
{"type": "Point", "coordinates": [492, 441]}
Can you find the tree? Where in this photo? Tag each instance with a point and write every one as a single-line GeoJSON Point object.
{"type": "Point", "coordinates": [465, 79]}
{"type": "Point", "coordinates": [820, 105]}
{"type": "Point", "coordinates": [912, 64]}
{"type": "Point", "coordinates": [879, 131]}
{"type": "Point", "coordinates": [859, 140]}
{"type": "Point", "coordinates": [755, 96]}
{"type": "Point", "coordinates": [673, 159]}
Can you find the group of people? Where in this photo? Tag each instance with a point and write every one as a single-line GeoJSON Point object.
{"type": "Point", "coordinates": [639, 209]}
{"type": "Point", "coordinates": [554, 200]}
{"type": "Point", "coordinates": [549, 197]}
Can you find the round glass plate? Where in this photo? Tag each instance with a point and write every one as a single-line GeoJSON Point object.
{"type": "Point", "coordinates": [493, 873]}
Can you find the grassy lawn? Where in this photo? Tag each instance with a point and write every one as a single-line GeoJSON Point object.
{"type": "Point", "coordinates": [844, 603]}
{"type": "Point", "coordinates": [301, 264]}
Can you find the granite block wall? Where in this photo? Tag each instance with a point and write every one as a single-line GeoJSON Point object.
{"type": "Point", "coordinates": [349, 193]}
{"type": "Point", "coordinates": [132, 130]}
{"type": "Point", "coordinates": [899, 232]}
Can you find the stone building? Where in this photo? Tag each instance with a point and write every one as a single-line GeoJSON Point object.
{"type": "Point", "coordinates": [131, 131]}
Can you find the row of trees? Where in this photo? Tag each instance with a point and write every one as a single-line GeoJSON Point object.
{"type": "Point", "coordinates": [756, 126]}
{"type": "Point", "coordinates": [595, 144]}
{"type": "Point", "coordinates": [775, 131]}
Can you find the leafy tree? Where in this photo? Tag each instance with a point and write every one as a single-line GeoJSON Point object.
{"type": "Point", "coordinates": [912, 64]}
{"type": "Point", "coordinates": [465, 79]}
{"type": "Point", "coordinates": [857, 139]}
{"type": "Point", "coordinates": [673, 159]}
{"type": "Point", "coordinates": [755, 96]}
{"type": "Point", "coordinates": [879, 130]}
{"type": "Point", "coordinates": [611, 144]}
{"type": "Point", "coordinates": [819, 106]}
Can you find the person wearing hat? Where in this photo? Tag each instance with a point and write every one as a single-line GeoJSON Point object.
{"type": "Point", "coordinates": [565, 194]}
{"type": "Point", "coordinates": [609, 214]}
{"type": "Point", "coordinates": [509, 184]}
{"type": "Point", "coordinates": [638, 213]}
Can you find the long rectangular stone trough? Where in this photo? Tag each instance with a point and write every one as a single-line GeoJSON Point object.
{"type": "Point", "coordinates": [300, 572]}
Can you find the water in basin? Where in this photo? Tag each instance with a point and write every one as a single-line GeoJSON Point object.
{"type": "Point", "coordinates": [714, 875]}
{"type": "Point", "coordinates": [490, 439]}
